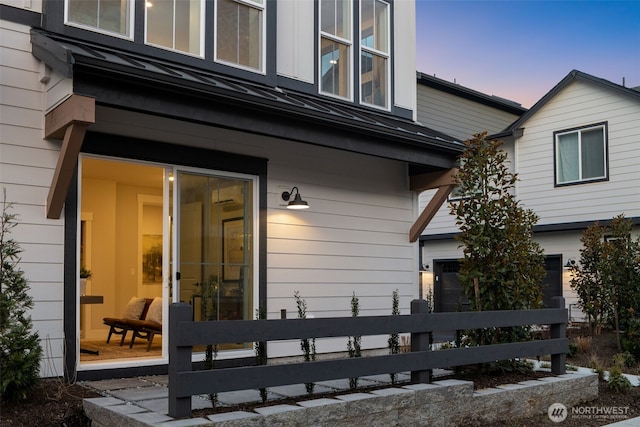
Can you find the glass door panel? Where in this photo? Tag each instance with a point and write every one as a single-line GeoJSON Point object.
{"type": "Point", "coordinates": [215, 250]}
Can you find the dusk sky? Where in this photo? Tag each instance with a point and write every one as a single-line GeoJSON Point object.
{"type": "Point", "coordinates": [520, 50]}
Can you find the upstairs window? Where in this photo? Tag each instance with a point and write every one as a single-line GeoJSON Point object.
{"type": "Point", "coordinates": [581, 154]}
{"type": "Point", "coordinates": [335, 47]}
{"type": "Point", "coordinates": [239, 33]}
{"type": "Point", "coordinates": [175, 24]}
{"type": "Point", "coordinates": [110, 16]}
{"type": "Point", "coordinates": [374, 52]}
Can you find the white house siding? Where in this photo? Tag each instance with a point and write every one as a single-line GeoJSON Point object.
{"type": "Point", "coordinates": [404, 37]}
{"type": "Point", "coordinates": [27, 163]}
{"type": "Point", "coordinates": [354, 237]}
{"type": "Point", "coordinates": [580, 104]}
{"type": "Point", "coordinates": [458, 117]}
{"type": "Point", "coordinates": [295, 36]}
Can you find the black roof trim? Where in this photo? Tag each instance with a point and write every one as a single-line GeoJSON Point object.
{"type": "Point", "coordinates": [493, 101]}
{"type": "Point", "coordinates": [20, 16]}
{"type": "Point", "coordinates": [392, 136]}
{"type": "Point", "coordinates": [573, 75]}
{"type": "Point", "coordinates": [537, 229]}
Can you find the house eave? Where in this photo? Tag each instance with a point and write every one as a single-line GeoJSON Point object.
{"type": "Point", "coordinates": [121, 80]}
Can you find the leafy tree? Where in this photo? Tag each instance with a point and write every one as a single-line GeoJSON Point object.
{"type": "Point", "coordinates": [20, 351]}
{"type": "Point", "coordinates": [502, 266]}
{"type": "Point", "coordinates": [586, 278]}
{"type": "Point", "coordinates": [607, 279]}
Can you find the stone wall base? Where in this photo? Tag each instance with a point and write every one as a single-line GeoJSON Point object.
{"type": "Point", "coordinates": [441, 403]}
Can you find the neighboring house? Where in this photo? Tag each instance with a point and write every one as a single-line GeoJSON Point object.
{"type": "Point", "coordinates": [461, 112]}
{"type": "Point", "coordinates": [152, 143]}
{"type": "Point", "coordinates": [576, 155]}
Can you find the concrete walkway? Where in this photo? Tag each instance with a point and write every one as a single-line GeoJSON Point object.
{"type": "Point", "coordinates": [146, 398]}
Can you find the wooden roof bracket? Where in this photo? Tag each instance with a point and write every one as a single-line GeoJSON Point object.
{"type": "Point", "coordinates": [69, 122]}
{"type": "Point", "coordinates": [444, 181]}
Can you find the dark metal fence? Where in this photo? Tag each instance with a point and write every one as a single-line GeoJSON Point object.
{"type": "Point", "coordinates": [185, 333]}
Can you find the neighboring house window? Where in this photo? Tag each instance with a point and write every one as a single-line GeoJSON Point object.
{"type": "Point", "coordinates": [111, 16]}
{"type": "Point", "coordinates": [175, 24]}
{"type": "Point", "coordinates": [335, 47]}
{"type": "Point", "coordinates": [581, 154]}
{"type": "Point", "coordinates": [374, 52]}
{"type": "Point", "coordinates": [239, 33]}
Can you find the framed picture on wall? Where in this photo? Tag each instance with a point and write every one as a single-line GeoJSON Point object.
{"type": "Point", "coordinates": [151, 259]}
{"type": "Point", "coordinates": [232, 247]}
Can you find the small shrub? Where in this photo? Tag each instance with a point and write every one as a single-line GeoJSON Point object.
{"type": "Point", "coordinates": [307, 346]}
{"type": "Point", "coordinates": [353, 345]}
{"type": "Point", "coordinates": [394, 339]}
{"type": "Point", "coordinates": [573, 349]}
{"type": "Point", "coordinates": [625, 359]}
{"type": "Point", "coordinates": [631, 340]}
{"type": "Point", "coordinates": [617, 381]}
{"type": "Point", "coordinates": [20, 348]}
{"type": "Point", "coordinates": [260, 347]}
{"type": "Point", "coordinates": [583, 344]}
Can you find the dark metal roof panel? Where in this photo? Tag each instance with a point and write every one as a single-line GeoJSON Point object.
{"type": "Point", "coordinates": [309, 107]}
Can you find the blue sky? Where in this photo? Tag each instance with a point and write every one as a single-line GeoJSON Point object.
{"type": "Point", "coordinates": [519, 50]}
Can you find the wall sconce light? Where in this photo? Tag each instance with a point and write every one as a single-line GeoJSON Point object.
{"type": "Point", "coordinates": [424, 267]}
{"type": "Point", "coordinates": [570, 263]}
{"type": "Point", "coordinates": [297, 202]}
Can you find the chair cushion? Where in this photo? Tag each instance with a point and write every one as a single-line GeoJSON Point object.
{"type": "Point", "coordinates": [134, 308]}
{"type": "Point", "coordinates": [155, 311]}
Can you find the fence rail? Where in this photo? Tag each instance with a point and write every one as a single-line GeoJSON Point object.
{"type": "Point", "coordinates": [185, 333]}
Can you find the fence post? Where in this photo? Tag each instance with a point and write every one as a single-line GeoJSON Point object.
{"type": "Point", "coordinates": [179, 360]}
{"type": "Point", "coordinates": [420, 341]}
{"type": "Point", "coordinates": [559, 330]}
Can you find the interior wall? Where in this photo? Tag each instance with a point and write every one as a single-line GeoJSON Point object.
{"type": "Point", "coordinates": [115, 262]}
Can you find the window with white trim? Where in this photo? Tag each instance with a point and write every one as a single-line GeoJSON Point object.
{"type": "Point", "coordinates": [240, 33]}
{"type": "Point", "coordinates": [110, 16]}
{"type": "Point", "coordinates": [581, 154]}
{"type": "Point", "coordinates": [176, 25]}
{"type": "Point", "coordinates": [335, 47]}
{"type": "Point", "coordinates": [374, 53]}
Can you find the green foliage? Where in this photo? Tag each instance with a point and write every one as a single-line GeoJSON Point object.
{"type": "Point", "coordinates": [607, 279]}
{"type": "Point", "coordinates": [617, 381]}
{"type": "Point", "coordinates": [631, 338]}
{"type": "Point", "coordinates": [308, 347]}
{"type": "Point", "coordinates": [85, 273]}
{"type": "Point", "coordinates": [394, 339]}
{"type": "Point", "coordinates": [260, 347]}
{"type": "Point", "coordinates": [573, 349]}
{"type": "Point", "coordinates": [353, 346]}
{"type": "Point", "coordinates": [20, 350]}
{"type": "Point", "coordinates": [502, 266]}
{"type": "Point", "coordinates": [625, 359]}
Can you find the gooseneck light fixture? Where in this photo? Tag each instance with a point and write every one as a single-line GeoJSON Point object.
{"type": "Point", "coordinates": [297, 202]}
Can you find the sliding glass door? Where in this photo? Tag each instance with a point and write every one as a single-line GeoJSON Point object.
{"type": "Point", "coordinates": [215, 248]}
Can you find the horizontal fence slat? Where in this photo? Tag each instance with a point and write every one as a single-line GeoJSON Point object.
{"type": "Point", "coordinates": [494, 319]}
{"type": "Point", "coordinates": [234, 331]}
{"type": "Point", "coordinates": [255, 377]}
